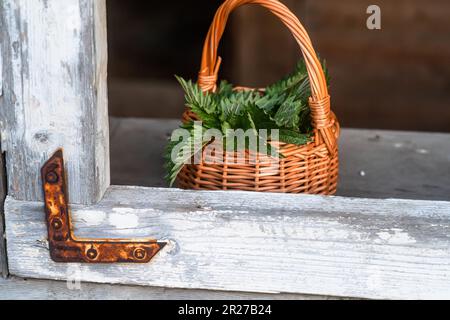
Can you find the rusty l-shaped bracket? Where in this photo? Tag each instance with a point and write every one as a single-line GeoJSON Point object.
{"type": "Point", "coordinates": [64, 247]}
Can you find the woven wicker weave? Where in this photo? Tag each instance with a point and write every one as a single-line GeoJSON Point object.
{"type": "Point", "coordinates": [311, 168]}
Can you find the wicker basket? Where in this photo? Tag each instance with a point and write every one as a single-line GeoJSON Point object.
{"type": "Point", "coordinates": [311, 168]}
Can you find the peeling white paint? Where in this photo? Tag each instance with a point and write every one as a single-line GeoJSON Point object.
{"type": "Point", "coordinates": [169, 249]}
{"type": "Point", "coordinates": [124, 211]}
{"type": "Point", "coordinates": [375, 278]}
{"type": "Point", "coordinates": [3, 136]}
{"type": "Point", "coordinates": [1, 72]}
{"type": "Point", "coordinates": [91, 217]}
{"type": "Point", "coordinates": [396, 236]}
{"type": "Point", "coordinates": [123, 221]}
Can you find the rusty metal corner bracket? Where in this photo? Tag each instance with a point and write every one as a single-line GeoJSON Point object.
{"type": "Point", "coordinates": [64, 247]}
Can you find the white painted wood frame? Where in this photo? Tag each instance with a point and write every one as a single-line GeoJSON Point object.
{"type": "Point", "coordinates": [54, 95]}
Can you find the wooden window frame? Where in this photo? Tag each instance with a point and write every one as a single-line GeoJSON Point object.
{"type": "Point", "coordinates": [54, 94]}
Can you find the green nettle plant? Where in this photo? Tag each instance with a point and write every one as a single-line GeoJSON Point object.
{"type": "Point", "coordinates": [282, 106]}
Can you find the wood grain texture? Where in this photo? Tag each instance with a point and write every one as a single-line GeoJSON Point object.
{"type": "Point", "coordinates": [254, 242]}
{"type": "Point", "coordinates": [3, 257]}
{"type": "Point", "coordinates": [31, 289]}
{"type": "Point", "coordinates": [54, 56]}
{"type": "Point", "coordinates": [374, 163]}
{"type": "Point", "coordinates": [394, 164]}
{"type": "Point", "coordinates": [262, 52]}
{"type": "Point", "coordinates": [394, 78]}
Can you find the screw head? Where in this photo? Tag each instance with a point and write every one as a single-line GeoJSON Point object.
{"type": "Point", "coordinates": [56, 224]}
{"type": "Point", "coordinates": [140, 253]}
{"type": "Point", "coordinates": [51, 177]}
{"type": "Point", "coordinates": [92, 253]}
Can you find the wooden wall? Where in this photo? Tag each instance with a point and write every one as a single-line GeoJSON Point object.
{"type": "Point", "coordinates": [398, 77]}
{"type": "Point", "coordinates": [394, 78]}
{"type": "Point", "coordinates": [149, 42]}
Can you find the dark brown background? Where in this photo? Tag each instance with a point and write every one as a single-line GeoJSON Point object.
{"type": "Point", "coordinates": [394, 78]}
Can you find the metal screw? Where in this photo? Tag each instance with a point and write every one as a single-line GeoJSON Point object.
{"type": "Point", "coordinates": [140, 254]}
{"type": "Point", "coordinates": [51, 177]}
{"type": "Point", "coordinates": [56, 224]}
{"type": "Point", "coordinates": [92, 253]}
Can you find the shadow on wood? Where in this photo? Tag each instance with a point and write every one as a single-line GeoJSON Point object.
{"type": "Point", "coordinates": [3, 256]}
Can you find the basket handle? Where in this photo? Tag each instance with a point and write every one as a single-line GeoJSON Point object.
{"type": "Point", "coordinates": [319, 102]}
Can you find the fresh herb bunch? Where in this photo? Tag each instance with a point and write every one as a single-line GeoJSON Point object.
{"type": "Point", "coordinates": [282, 106]}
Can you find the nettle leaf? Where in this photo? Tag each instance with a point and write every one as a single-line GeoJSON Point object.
{"type": "Point", "coordinates": [305, 119]}
{"type": "Point", "coordinates": [291, 81]}
{"type": "Point", "coordinates": [288, 115]}
{"type": "Point", "coordinates": [202, 104]}
{"type": "Point", "coordinates": [294, 137]}
{"type": "Point", "coordinates": [225, 126]}
{"type": "Point", "coordinates": [187, 148]}
{"type": "Point", "coordinates": [225, 89]}
{"type": "Point", "coordinates": [234, 109]}
{"type": "Point", "coordinates": [252, 124]}
{"type": "Point", "coordinates": [232, 106]}
{"type": "Point", "coordinates": [261, 119]}
{"type": "Point", "coordinates": [269, 102]}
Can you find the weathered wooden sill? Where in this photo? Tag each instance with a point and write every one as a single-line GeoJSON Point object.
{"type": "Point", "coordinates": [254, 242]}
